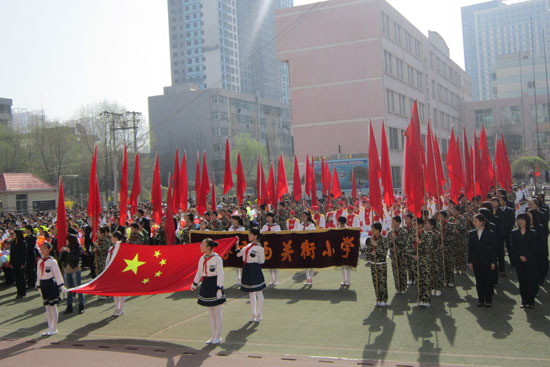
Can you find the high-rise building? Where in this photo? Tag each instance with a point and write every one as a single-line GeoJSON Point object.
{"type": "Point", "coordinates": [516, 75]}
{"type": "Point", "coordinates": [227, 44]}
{"type": "Point", "coordinates": [355, 61]}
{"type": "Point", "coordinates": [496, 28]}
{"type": "Point", "coordinates": [5, 111]}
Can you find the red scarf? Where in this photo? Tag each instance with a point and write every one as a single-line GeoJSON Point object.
{"type": "Point", "coordinates": [291, 224]}
{"type": "Point", "coordinates": [367, 216]}
{"type": "Point", "coordinates": [247, 251]}
{"type": "Point", "coordinates": [205, 264]}
{"type": "Point", "coordinates": [42, 265]}
{"type": "Point", "coordinates": [350, 219]}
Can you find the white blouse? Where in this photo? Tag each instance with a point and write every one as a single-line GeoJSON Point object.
{"type": "Point", "coordinates": [252, 253]}
{"type": "Point", "coordinates": [48, 269]}
{"type": "Point", "coordinates": [213, 267]}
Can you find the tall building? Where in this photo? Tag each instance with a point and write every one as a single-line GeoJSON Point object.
{"type": "Point", "coordinates": [495, 28]}
{"type": "Point", "coordinates": [5, 111]}
{"type": "Point", "coordinates": [355, 61]}
{"type": "Point", "coordinates": [227, 44]}
{"type": "Point", "coordinates": [515, 75]}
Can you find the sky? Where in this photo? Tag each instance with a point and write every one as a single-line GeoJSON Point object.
{"type": "Point", "coordinates": [60, 55]}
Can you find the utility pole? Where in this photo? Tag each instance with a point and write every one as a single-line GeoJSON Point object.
{"type": "Point", "coordinates": [112, 130]}
{"type": "Point", "coordinates": [134, 126]}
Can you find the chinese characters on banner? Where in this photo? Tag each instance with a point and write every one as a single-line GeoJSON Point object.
{"type": "Point", "coordinates": [297, 250]}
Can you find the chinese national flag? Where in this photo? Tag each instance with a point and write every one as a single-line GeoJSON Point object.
{"type": "Point", "coordinates": [297, 185]}
{"type": "Point", "coordinates": [142, 269]}
{"type": "Point", "coordinates": [61, 222]}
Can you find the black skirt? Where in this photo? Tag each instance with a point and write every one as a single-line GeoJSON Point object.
{"type": "Point", "coordinates": [253, 278]}
{"type": "Point", "coordinates": [50, 292]}
{"type": "Point", "coordinates": [207, 293]}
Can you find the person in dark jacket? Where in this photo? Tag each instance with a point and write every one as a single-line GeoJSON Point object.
{"type": "Point", "coordinates": [509, 217]}
{"type": "Point", "coordinates": [482, 257]}
{"type": "Point", "coordinates": [524, 240]}
{"type": "Point", "coordinates": [541, 252]}
{"type": "Point", "coordinates": [32, 254]}
{"type": "Point", "coordinates": [18, 261]}
{"type": "Point", "coordinates": [70, 261]}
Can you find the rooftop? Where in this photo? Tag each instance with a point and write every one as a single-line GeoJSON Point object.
{"type": "Point", "coordinates": [20, 182]}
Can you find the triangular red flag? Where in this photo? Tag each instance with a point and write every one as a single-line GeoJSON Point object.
{"type": "Point", "coordinates": [213, 204]}
{"type": "Point", "coordinates": [468, 168]}
{"type": "Point", "coordinates": [258, 182]}
{"type": "Point", "coordinates": [156, 194]}
{"type": "Point", "coordinates": [323, 177]}
{"type": "Point", "coordinates": [263, 187]}
{"type": "Point", "coordinates": [61, 221]}
{"type": "Point", "coordinates": [313, 189]}
{"type": "Point", "coordinates": [414, 187]}
{"type": "Point", "coordinates": [440, 174]}
{"type": "Point", "coordinates": [308, 178]}
{"type": "Point", "coordinates": [477, 168]}
{"type": "Point", "coordinates": [488, 178]}
{"type": "Point", "coordinates": [430, 174]}
{"type": "Point", "coordinates": [198, 182]}
{"type": "Point", "coordinates": [375, 195]}
{"type": "Point", "coordinates": [297, 184]}
{"type": "Point", "coordinates": [176, 199]}
{"type": "Point", "coordinates": [184, 193]}
{"type": "Point", "coordinates": [282, 184]}
{"type": "Point", "coordinates": [271, 188]}
{"type": "Point", "coordinates": [169, 230]}
{"type": "Point", "coordinates": [329, 179]}
{"type": "Point", "coordinates": [353, 186]}
{"type": "Point", "coordinates": [336, 191]}
{"type": "Point", "coordinates": [123, 215]}
{"type": "Point", "coordinates": [241, 182]}
{"type": "Point", "coordinates": [205, 185]}
{"type": "Point", "coordinates": [452, 168]}
{"type": "Point", "coordinates": [228, 174]}
{"type": "Point", "coordinates": [386, 170]}
{"type": "Point", "coordinates": [136, 187]}
{"type": "Point", "coordinates": [506, 164]}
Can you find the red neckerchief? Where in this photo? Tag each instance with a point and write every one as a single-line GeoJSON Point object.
{"type": "Point", "coordinates": [247, 251]}
{"type": "Point", "coordinates": [350, 219]}
{"type": "Point", "coordinates": [269, 227]}
{"type": "Point", "coordinates": [205, 263]}
{"type": "Point", "coordinates": [42, 265]}
{"type": "Point", "coordinates": [317, 217]}
{"type": "Point", "coordinates": [367, 216]}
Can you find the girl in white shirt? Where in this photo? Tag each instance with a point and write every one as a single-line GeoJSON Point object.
{"type": "Point", "coordinates": [253, 279]}
{"type": "Point", "coordinates": [116, 240]}
{"type": "Point", "coordinates": [211, 295]}
{"type": "Point", "coordinates": [237, 226]}
{"type": "Point", "coordinates": [49, 281]}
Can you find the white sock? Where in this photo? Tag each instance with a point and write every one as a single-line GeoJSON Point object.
{"type": "Point", "coordinates": [238, 272]}
{"type": "Point", "coordinates": [274, 275]}
{"type": "Point", "coordinates": [347, 276]}
{"type": "Point", "coordinates": [121, 304]}
{"type": "Point", "coordinates": [219, 321]}
{"type": "Point", "coordinates": [344, 274]}
{"type": "Point", "coordinates": [252, 296]}
{"type": "Point", "coordinates": [212, 317]}
{"type": "Point", "coordinates": [54, 316]}
{"type": "Point", "coordinates": [260, 296]}
{"type": "Point", "coordinates": [49, 317]}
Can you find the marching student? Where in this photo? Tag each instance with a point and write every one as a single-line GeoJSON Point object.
{"type": "Point", "coordinates": [210, 275]}
{"type": "Point", "coordinates": [398, 254]}
{"type": "Point", "coordinates": [482, 257]}
{"type": "Point", "coordinates": [318, 218]}
{"type": "Point", "coordinates": [271, 226]}
{"type": "Point", "coordinates": [49, 281]}
{"type": "Point", "coordinates": [293, 223]}
{"type": "Point", "coordinates": [352, 218]}
{"type": "Point", "coordinates": [346, 270]}
{"type": "Point", "coordinates": [424, 259]}
{"type": "Point", "coordinates": [237, 226]}
{"type": "Point", "coordinates": [307, 225]}
{"type": "Point", "coordinates": [116, 240]}
{"type": "Point", "coordinates": [253, 279]}
{"type": "Point", "coordinates": [377, 249]}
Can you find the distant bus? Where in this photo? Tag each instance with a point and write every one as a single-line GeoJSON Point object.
{"type": "Point", "coordinates": [344, 167]}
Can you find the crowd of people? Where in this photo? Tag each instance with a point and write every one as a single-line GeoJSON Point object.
{"type": "Point", "coordinates": [426, 253]}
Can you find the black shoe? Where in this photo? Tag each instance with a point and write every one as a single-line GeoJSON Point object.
{"type": "Point", "coordinates": [488, 305]}
{"type": "Point", "coordinates": [19, 296]}
{"type": "Point", "coordinates": [522, 306]}
{"type": "Point", "coordinates": [530, 306]}
{"type": "Point", "coordinates": [480, 305]}
{"type": "Point", "coordinates": [80, 309]}
{"type": "Point", "coordinates": [68, 311]}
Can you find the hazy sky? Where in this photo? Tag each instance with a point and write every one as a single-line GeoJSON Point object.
{"type": "Point", "coordinates": [63, 54]}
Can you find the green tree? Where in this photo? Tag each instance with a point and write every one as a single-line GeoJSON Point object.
{"type": "Point", "coordinates": [250, 149]}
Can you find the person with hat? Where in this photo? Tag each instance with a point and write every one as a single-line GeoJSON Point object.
{"type": "Point", "coordinates": [352, 219]}
{"type": "Point", "coordinates": [292, 223]}
{"type": "Point", "coordinates": [271, 226]}
{"type": "Point", "coordinates": [318, 218]}
{"type": "Point", "coordinates": [339, 210]}
{"type": "Point", "coordinates": [330, 220]}
{"type": "Point", "coordinates": [366, 216]}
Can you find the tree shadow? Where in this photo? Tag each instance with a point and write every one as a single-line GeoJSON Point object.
{"type": "Point", "coordinates": [382, 329]}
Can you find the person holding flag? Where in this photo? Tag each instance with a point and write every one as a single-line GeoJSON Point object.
{"type": "Point", "coordinates": [377, 249]}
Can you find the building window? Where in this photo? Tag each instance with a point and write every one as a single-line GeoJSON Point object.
{"type": "Point", "coordinates": [396, 176]}
{"type": "Point", "coordinates": [542, 113]}
{"type": "Point", "coordinates": [510, 115]}
{"type": "Point", "coordinates": [394, 138]}
{"type": "Point", "coordinates": [21, 202]}
{"type": "Point", "coordinates": [388, 62]}
{"type": "Point", "coordinates": [484, 117]}
{"type": "Point", "coordinates": [390, 97]}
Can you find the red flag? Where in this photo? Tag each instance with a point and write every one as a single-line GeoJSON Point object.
{"type": "Point", "coordinates": [297, 184]}
{"type": "Point", "coordinates": [386, 170]}
{"type": "Point", "coordinates": [156, 194]}
{"type": "Point", "coordinates": [430, 178]}
{"type": "Point", "coordinates": [176, 199]}
{"type": "Point", "coordinates": [353, 186]}
{"type": "Point", "coordinates": [184, 194]}
{"type": "Point", "coordinates": [282, 184]}
{"type": "Point", "coordinates": [488, 176]}
{"type": "Point", "coordinates": [498, 155]}
{"type": "Point", "coordinates": [314, 200]}
{"type": "Point", "coordinates": [460, 163]}
{"type": "Point", "coordinates": [374, 176]}
{"type": "Point", "coordinates": [336, 191]}
{"type": "Point", "coordinates": [452, 167]}
{"type": "Point", "coordinates": [414, 186]}
{"type": "Point", "coordinates": [124, 190]}
{"type": "Point", "coordinates": [228, 175]}
{"type": "Point", "coordinates": [271, 199]}
{"type": "Point", "coordinates": [506, 164]}
{"type": "Point", "coordinates": [169, 230]}
{"type": "Point", "coordinates": [136, 187]}
{"type": "Point", "coordinates": [205, 186]}
{"type": "Point", "coordinates": [323, 177]}
{"type": "Point", "coordinates": [329, 178]}
{"type": "Point", "coordinates": [213, 200]}
{"type": "Point", "coordinates": [198, 182]}
{"type": "Point", "coordinates": [241, 182]}
{"type": "Point", "coordinates": [139, 270]}
{"type": "Point", "coordinates": [440, 174]}
{"type": "Point", "coordinates": [468, 168]}
{"type": "Point", "coordinates": [308, 177]}
{"type": "Point", "coordinates": [94, 204]}
{"type": "Point", "coordinates": [477, 168]}
{"type": "Point", "coordinates": [263, 188]}
{"type": "Point", "coordinates": [61, 221]}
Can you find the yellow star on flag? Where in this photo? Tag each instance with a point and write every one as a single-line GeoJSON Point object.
{"type": "Point", "coordinates": [158, 274]}
{"type": "Point", "coordinates": [163, 262]}
{"type": "Point", "coordinates": [133, 264]}
{"type": "Point", "coordinates": [145, 281]}
{"type": "Point", "coordinates": [157, 254]}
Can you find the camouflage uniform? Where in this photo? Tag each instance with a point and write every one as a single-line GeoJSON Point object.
{"type": "Point", "coordinates": [425, 260]}
{"type": "Point", "coordinates": [380, 271]}
{"type": "Point", "coordinates": [437, 263]}
{"type": "Point", "coordinates": [160, 237]}
{"type": "Point", "coordinates": [215, 225]}
{"type": "Point", "coordinates": [136, 238]}
{"type": "Point", "coordinates": [146, 236]}
{"type": "Point", "coordinates": [225, 223]}
{"type": "Point", "coordinates": [281, 217]}
{"type": "Point", "coordinates": [400, 258]}
{"type": "Point", "coordinates": [260, 219]}
{"type": "Point", "coordinates": [450, 243]}
{"type": "Point", "coordinates": [185, 235]}
{"type": "Point", "coordinates": [410, 254]}
{"type": "Point", "coordinates": [103, 245]}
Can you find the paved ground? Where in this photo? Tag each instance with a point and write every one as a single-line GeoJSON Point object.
{"type": "Point", "coordinates": [301, 327]}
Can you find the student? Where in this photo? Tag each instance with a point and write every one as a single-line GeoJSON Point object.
{"type": "Point", "coordinates": [211, 295]}
{"type": "Point", "coordinates": [70, 260]}
{"type": "Point", "coordinates": [49, 281]}
{"type": "Point", "coordinates": [306, 222]}
{"type": "Point", "coordinates": [237, 226]}
{"type": "Point", "coordinates": [482, 256]}
{"type": "Point", "coordinates": [116, 240]}
{"type": "Point", "coordinates": [271, 226]}
{"type": "Point", "coordinates": [253, 279]}
{"type": "Point", "coordinates": [377, 249]}
{"type": "Point", "coordinates": [346, 270]}
{"type": "Point", "coordinates": [292, 223]}
{"type": "Point", "coordinates": [524, 242]}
